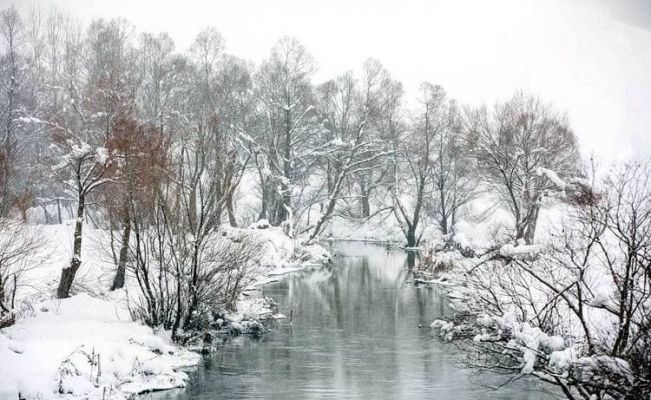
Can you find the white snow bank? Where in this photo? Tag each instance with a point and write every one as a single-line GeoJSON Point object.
{"type": "Point", "coordinates": [553, 177]}
{"type": "Point", "coordinates": [87, 346]}
{"type": "Point", "coordinates": [380, 229]}
{"type": "Point", "coordinates": [521, 251]}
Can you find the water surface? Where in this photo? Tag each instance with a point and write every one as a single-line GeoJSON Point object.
{"type": "Point", "coordinates": [359, 330]}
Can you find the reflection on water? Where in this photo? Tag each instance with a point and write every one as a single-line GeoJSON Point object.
{"type": "Point", "coordinates": [359, 330]}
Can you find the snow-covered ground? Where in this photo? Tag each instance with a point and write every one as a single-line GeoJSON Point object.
{"type": "Point", "coordinates": [87, 346]}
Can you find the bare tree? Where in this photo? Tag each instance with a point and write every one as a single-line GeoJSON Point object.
{"type": "Point", "coordinates": [12, 30]}
{"type": "Point", "coordinates": [182, 285]}
{"type": "Point", "coordinates": [142, 152]}
{"type": "Point", "coordinates": [350, 109]}
{"type": "Point", "coordinates": [158, 78]}
{"type": "Point", "coordinates": [512, 144]}
{"type": "Point", "coordinates": [289, 126]}
{"type": "Point", "coordinates": [85, 169]}
{"type": "Point", "coordinates": [415, 154]}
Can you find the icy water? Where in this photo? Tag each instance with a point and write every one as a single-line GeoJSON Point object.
{"type": "Point", "coordinates": [359, 330]}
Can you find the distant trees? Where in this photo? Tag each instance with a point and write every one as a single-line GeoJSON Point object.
{"type": "Point", "coordinates": [347, 147]}
{"type": "Point", "coordinates": [147, 141]}
{"type": "Point", "coordinates": [11, 25]}
{"type": "Point", "coordinates": [512, 144]}
{"type": "Point", "coordinates": [454, 183]}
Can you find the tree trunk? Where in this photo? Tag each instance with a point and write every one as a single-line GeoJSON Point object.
{"type": "Point", "coordinates": [68, 274]}
{"type": "Point", "coordinates": [59, 210]}
{"type": "Point", "coordinates": [120, 275]}
{"type": "Point", "coordinates": [530, 228]}
{"type": "Point", "coordinates": [444, 225]}
{"type": "Point", "coordinates": [285, 201]}
{"type": "Point", "coordinates": [283, 204]}
{"type": "Point", "coordinates": [192, 207]}
{"type": "Point", "coordinates": [231, 211]}
{"type": "Point", "coordinates": [46, 214]}
{"type": "Point", "coordinates": [411, 259]}
{"type": "Point", "coordinates": [366, 206]}
{"type": "Point", "coordinates": [411, 237]}
{"type": "Point", "coordinates": [364, 198]}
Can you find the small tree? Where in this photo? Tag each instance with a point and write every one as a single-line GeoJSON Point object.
{"type": "Point", "coordinates": [84, 168]}
{"type": "Point", "coordinates": [142, 153]}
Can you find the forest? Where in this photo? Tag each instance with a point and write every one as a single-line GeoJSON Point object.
{"type": "Point", "coordinates": [177, 168]}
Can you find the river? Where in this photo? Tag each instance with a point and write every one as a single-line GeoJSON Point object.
{"type": "Point", "coordinates": [359, 330]}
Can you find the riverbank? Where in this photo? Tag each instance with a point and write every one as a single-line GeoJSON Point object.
{"type": "Point", "coordinates": [88, 346]}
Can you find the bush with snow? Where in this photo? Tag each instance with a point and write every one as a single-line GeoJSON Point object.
{"type": "Point", "coordinates": [574, 313]}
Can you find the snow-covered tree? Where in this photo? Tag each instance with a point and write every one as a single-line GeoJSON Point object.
{"type": "Point", "coordinates": [351, 147]}
{"type": "Point", "coordinates": [454, 180]}
{"type": "Point", "coordinates": [288, 127]}
{"type": "Point", "coordinates": [95, 88]}
{"type": "Point", "coordinates": [511, 144]}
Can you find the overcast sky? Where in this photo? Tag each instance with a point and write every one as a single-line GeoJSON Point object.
{"type": "Point", "coordinates": [591, 58]}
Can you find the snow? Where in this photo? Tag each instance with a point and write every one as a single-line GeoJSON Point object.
{"type": "Point", "coordinates": [553, 177]}
{"type": "Point", "coordinates": [442, 325]}
{"type": "Point", "coordinates": [381, 229]}
{"type": "Point", "coordinates": [30, 120]}
{"type": "Point", "coordinates": [521, 251]}
{"type": "Point", "coordinates": [54, 345]}
{"type": "Point", "coordinates": [529, 342]}
{"type": "Point", "coordinates": [561, 359]}
{"type": "Point", "coordinates": [101, 155]}
{"type": "Point", "coordinates": [59, 344]}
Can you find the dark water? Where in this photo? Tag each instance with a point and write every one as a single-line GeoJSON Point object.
{"type": "Point", "coordinates": [359, 330]}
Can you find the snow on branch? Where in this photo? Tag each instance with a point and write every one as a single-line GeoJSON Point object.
{"type": "Point", "coordinates": [553, 177]}
{"type": "Point", "coordinates": [521, 251]}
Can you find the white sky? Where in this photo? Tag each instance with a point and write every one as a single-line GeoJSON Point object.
{"type": "Point", "coordinates": [590, 58]}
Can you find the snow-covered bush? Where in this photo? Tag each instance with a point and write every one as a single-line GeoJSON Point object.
{"type": "Point", "coordinates": [182, 281]}
{"type": "Point", "coordinates": [576, 313]}
{"type": "Point", "coordinates": [17, 243]}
